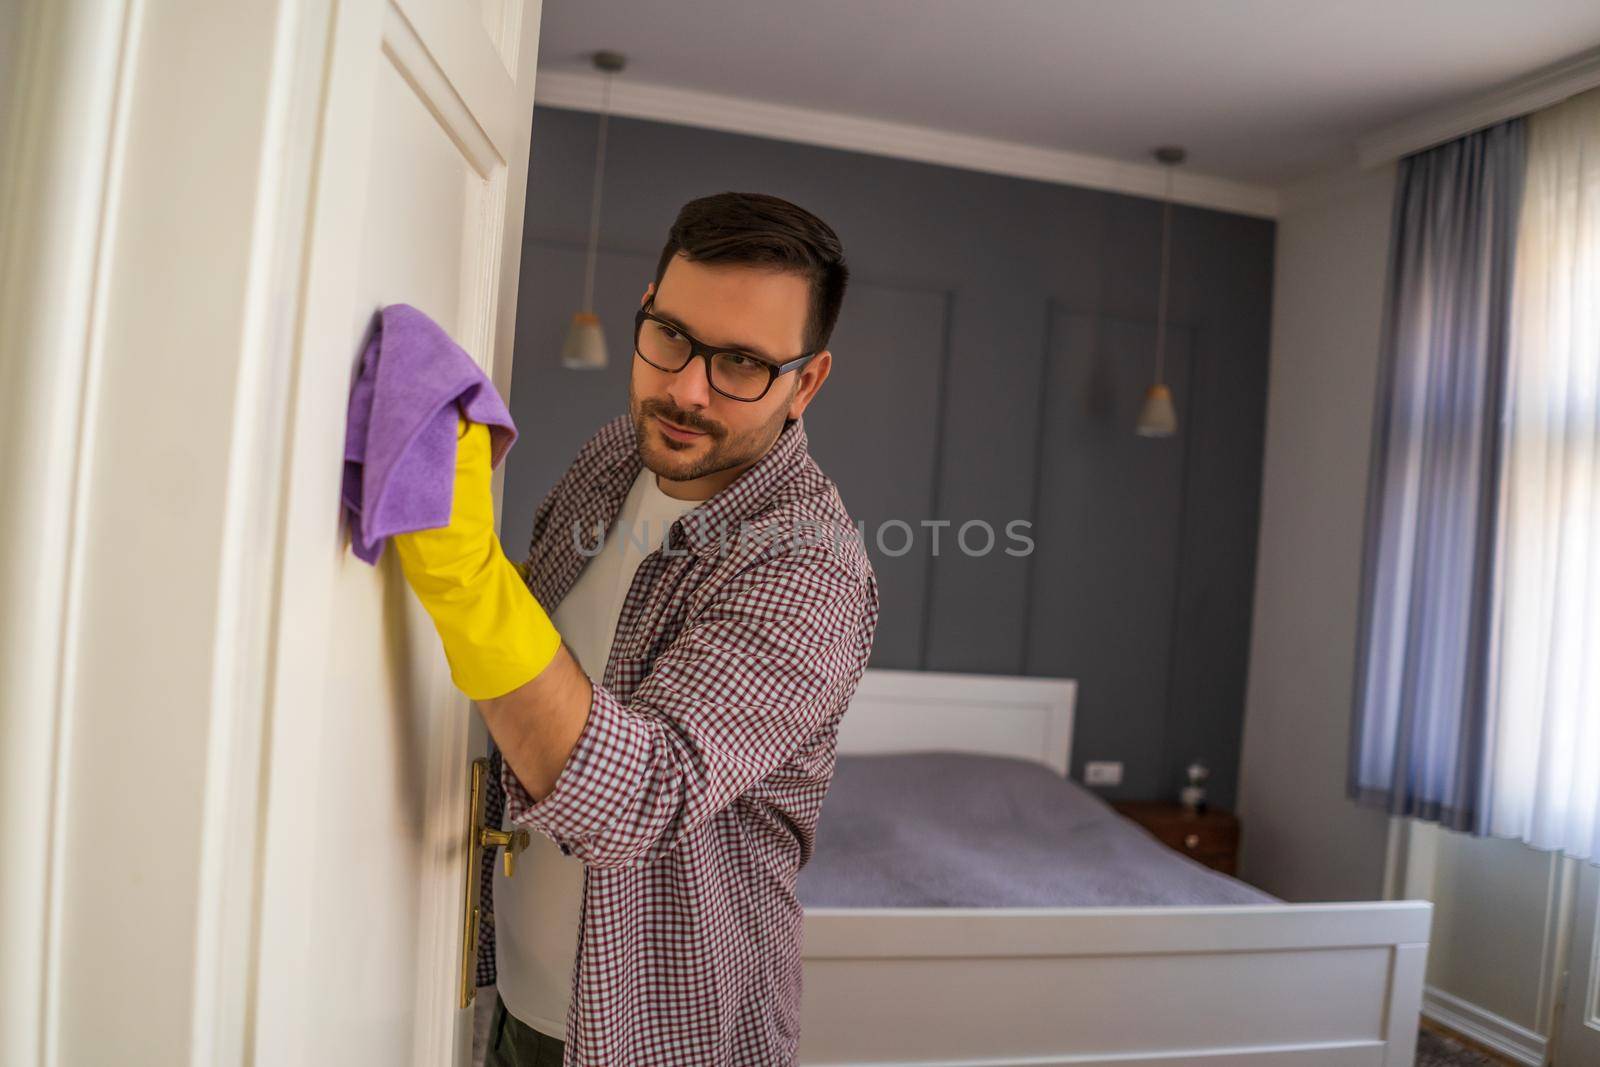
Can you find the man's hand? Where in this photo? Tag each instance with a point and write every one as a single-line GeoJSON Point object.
{"type": "Point", "coordinates": [496, 636]}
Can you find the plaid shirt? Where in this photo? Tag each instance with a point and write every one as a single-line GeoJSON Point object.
{"type": "Point", "coordinates": [693, 792]}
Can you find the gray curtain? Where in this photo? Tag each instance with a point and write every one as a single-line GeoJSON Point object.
{"type": "Point", "coordinates": [1417, 743]}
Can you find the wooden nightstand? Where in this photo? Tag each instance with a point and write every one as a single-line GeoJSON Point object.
{"type": "Point", "coordinates": [1212, 838]}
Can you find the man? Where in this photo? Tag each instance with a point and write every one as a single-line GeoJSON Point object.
{"type": "Point", "coordinates": [670, 732]}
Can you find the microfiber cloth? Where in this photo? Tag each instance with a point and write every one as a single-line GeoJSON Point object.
{"type": "Point", "coordinates": [400, 433]}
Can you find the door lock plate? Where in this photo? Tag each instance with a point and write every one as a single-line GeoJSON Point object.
{"type": "Point", "coordinates": [479, 837]}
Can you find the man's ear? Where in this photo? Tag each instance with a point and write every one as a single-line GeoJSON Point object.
{"type": "Point", "coordinates": [811, 377]}
{"type": "Point", "coordinates": [648, 291]}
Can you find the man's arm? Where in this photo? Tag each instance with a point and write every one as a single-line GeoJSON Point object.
{"type": "Point", "coordinates": [496, 635]}
{"type": "Point", "coordinates": [540, 721]}
{"type": "Point", "coordinates": [742, 689]}
{"type": "Point", "coordinates": [562, 689]}
{"type": "Point", "coordinates": [733, 698]}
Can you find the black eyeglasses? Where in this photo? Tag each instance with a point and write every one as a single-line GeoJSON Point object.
{"type": "Point", "coordinates": [736, 375]}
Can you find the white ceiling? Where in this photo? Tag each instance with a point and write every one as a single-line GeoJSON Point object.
{"type": "Point", "coordinates": [1260, 91]}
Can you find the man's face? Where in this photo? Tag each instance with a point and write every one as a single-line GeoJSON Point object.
{"type": "Point", "coordinates": [689, 432]}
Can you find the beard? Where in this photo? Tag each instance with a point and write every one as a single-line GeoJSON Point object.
{"type": "Point", "coordinates": [718, 450]}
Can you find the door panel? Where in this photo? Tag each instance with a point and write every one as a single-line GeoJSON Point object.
{"type": "Point", "coordinates": [365, 860]}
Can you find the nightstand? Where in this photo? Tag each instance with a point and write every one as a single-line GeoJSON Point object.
{"type": "Point", "coordinates": [1212, 837]}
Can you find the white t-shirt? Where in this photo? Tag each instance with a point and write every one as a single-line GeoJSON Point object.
{"type": "Point", "coordinates": [536, 912]}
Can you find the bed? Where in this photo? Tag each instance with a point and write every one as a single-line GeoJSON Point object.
{"type": "Point", "coordinates": [968, 904]}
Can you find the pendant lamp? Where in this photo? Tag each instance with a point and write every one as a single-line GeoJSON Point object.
{"type": "Point", "coordinates": [585, 344]}
{"type": "Point", "coordinates": [1158, 417]}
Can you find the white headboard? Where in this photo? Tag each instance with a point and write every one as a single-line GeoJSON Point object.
{"type": "Point", "coordinates": [992, 714]}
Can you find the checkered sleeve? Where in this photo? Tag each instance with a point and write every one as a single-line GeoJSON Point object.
{"type": "Point", "coordinates": [743, 687]}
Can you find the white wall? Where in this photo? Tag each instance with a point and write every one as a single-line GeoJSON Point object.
{"type": "Point", "coordinates": [1301, 838]}
{"type": "Point", "coordinates": [1497, 924]}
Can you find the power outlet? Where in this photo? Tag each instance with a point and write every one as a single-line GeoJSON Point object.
{"type": "Point", "coordinates": [1105, 772]}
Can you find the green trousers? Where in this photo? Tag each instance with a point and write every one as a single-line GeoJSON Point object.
{"type": "Point", "coordinates": [513, 1043]}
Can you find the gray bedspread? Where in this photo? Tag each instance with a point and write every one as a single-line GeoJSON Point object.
{"type": "Point", "coordinates": [961, 830]}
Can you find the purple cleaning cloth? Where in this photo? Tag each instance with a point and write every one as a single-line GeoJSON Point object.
{"type": "Point", "coordinates": [400, 433]}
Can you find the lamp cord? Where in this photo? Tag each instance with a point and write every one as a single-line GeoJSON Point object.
{"type": "Point", "coordinates": [594, 203]}
{"type": "Point", "coordinates": [1161, 305]}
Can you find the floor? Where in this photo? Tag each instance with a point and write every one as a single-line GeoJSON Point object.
{"type": "Point", "coordinates": [1438, 1047]}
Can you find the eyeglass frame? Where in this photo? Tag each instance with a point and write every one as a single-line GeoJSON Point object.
{"type": "Point", "coordinates": [705, 351]}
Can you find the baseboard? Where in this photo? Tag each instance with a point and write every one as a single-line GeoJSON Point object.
{"type": "Point", "coordinates": [1509, 1039]}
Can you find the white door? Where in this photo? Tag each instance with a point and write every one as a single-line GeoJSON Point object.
{"type": "Point", "coordinates": [364, 864]}
{"type": "Point", "coordinates": [1576, 1042]}
{"type": "Point", "coordinates": [237, 796]}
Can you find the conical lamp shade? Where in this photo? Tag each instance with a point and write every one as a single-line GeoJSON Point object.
{"type": "Point", "coordinates": [1158, 418]}
{"type": "Point", "coordinates": [585, 346]}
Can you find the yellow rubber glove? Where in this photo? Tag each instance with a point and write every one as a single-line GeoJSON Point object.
{"type": "Point", "coordinates": [496, 636]}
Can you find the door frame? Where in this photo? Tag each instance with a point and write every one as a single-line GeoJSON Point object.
{"type": "Point", "coordinates": [68, 59]}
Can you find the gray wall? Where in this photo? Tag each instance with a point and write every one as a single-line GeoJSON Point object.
{"type": "Point", "coordinates": [988, 364]}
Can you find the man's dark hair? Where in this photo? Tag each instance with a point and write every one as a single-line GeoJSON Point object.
{"type": "Point", "coordinates": [766, 231]}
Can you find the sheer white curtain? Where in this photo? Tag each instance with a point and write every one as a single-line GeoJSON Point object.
{"type": "Point", "coordinates": [1544, 720]}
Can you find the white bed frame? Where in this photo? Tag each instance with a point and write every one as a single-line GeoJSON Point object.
{"type": "Point", "coordinates": [1269, 985]}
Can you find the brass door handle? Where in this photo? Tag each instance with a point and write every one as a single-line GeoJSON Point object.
{"type": "Point", "coordinates": [512, 841]}
{"type": "Point", "coordinates": [480, 837]}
